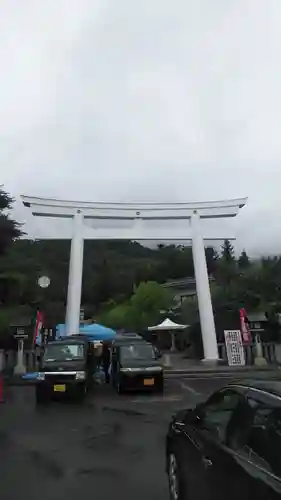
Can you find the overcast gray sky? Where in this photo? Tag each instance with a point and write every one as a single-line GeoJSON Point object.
{"type": "Point", "coordinates": [151, 100]}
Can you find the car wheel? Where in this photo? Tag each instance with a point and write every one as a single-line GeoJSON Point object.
{"type": "Point", "coordinates": [160, 387]}
{"type": "Point", "coordinates": [82, 392]}
{"type": "Point", "coordinates": [40, 397]}
{"type": "Point", "coordinates": [119, 387]}
{"type": "Point", "coordinates": [175, 488]}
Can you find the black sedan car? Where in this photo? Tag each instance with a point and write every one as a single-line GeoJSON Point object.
{"type": "Point", "coordinates": [228, 448]}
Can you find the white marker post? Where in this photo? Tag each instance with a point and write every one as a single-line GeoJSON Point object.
{"type": "Point", "coordinates": [20, 368]}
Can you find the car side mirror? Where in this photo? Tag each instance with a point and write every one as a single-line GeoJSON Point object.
{"type": "Point", "coordinates": [200, 410]}
{"type": "Point", "coordinates": [195, 416]}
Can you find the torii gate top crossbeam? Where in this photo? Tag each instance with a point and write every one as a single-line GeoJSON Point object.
{"type": "Point", "coordinates": [48, 207]}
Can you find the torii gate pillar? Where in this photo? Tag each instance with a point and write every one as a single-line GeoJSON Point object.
{"type": "Point", "coordinates": [74, 290]}
{"type": "Point", "coordinates": [206, 314]}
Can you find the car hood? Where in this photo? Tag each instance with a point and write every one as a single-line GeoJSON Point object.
{"type": "Point", "coordinates": [74, 365]}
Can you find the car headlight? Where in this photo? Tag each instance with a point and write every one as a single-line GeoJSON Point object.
{"type": "Point", "coordinates": [40, 376]}
{"type": "Point", "coordinates": [80, 375]}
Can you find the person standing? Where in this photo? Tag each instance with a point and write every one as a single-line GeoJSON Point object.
{"type": "Point", "coordinates": [97, 354]}
{"type": "Point", "coordinates": [106, 360]}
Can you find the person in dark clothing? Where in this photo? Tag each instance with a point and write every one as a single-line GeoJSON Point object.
{"type": "Point", "coordinates": [106, 360]}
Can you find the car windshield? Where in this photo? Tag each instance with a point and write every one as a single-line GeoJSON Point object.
{"type": "Point", "coordinates": [137, 351]}
{"type": "Point", "coordinates": [63, 352]}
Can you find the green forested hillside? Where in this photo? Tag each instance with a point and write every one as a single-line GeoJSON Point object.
{"type": "Point", "coordinates": [113, 272]}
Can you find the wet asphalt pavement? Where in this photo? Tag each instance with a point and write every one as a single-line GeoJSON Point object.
{"type": "Point", "coordinates": [111, 446]}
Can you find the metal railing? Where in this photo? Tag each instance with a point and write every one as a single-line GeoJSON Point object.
{"type": "Point", "coordinates": [8, 358]}
{"type": "Point", "coordinates": [268, 348]}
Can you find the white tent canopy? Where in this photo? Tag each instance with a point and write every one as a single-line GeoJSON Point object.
{"type": "Point", "coordinates": [167, 325]}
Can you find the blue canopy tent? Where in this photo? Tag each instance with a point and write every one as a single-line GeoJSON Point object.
{"type": "Point", "coordinates": [94, 332]}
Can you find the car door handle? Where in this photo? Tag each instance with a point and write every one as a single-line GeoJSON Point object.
{"type": "Point", "coordinates": [207, 462]}
{"type": "Point", "coordinates": [178, 427]}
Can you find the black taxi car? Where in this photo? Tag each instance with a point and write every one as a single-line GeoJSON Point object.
{"type": "Point", "coordinates": [66, 367]}
{"type": "Point", "coordinates": [228, 447]}
{"type": "Point", "coordinates": [135, 365]}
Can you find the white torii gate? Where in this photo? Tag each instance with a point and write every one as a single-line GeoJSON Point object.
{"type": "Point", "coordinates": [138, 213]}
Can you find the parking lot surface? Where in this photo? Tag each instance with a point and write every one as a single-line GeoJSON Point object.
{"type": "Point", "coordinates": [111, 446]}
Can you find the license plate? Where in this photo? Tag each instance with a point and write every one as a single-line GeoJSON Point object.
{"type": "Point", "coordinates": [148, 381]}
{"type": "Point", "coordinates": [59, 388]}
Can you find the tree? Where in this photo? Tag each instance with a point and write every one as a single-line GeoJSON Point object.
{"type": "Point", "coordinates": [151, 297]}
{"type": "Point", "coordinates": [147, 302]}
{"type": "Point", "coordinates": [103, 285]}
{"type": "Point", "coordinates": [142, 310]}
{"type": "Point", "coordinates": [211, 259]}
{"type": "Point", "coordinates": [9, 229]}
{"type": "Point", "coordinates": [244, 261]}
{"type": "Point", "coordinates": [177, 261]}
{"type": "Point", "coordinates": [118, 317]}
{"type": "Point", "coordinates": [189, 311]}
{"type": "Point", "coordinates": [226, 268]}
{"type": "Point", "coordinates": [114, 270]}
{"type": "Point", "coordinates": [228, 252]}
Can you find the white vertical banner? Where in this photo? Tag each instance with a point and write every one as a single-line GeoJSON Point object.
{"type": "Point", "coordinates": [234, 347]}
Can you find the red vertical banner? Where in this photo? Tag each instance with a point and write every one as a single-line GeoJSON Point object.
{"type": "Point", "coordinates": [38, 328]}
{"type": "Point", "coordinates": [245, 330]}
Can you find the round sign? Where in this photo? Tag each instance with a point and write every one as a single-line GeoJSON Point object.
{"type": "Point", "coordinates": [44, 281]}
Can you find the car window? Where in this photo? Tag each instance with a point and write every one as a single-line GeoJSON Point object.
{"type": "Point", "coordinates": [259, 438]}
{"type": "Point", "coordinates": [138, 351]}
{"type": "Point", "coordinates": [218, 411]}
{"type": "Point", "coordinates": [63, 352]}
{"type": "Point", "coordinates": [264, 438]}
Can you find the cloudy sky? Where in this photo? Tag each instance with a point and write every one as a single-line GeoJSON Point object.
{"type": "Point", "coordinates": [155, 100]}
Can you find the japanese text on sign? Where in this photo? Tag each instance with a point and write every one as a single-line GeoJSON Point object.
{"type": "Point", "coordinates": [234, 348]}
